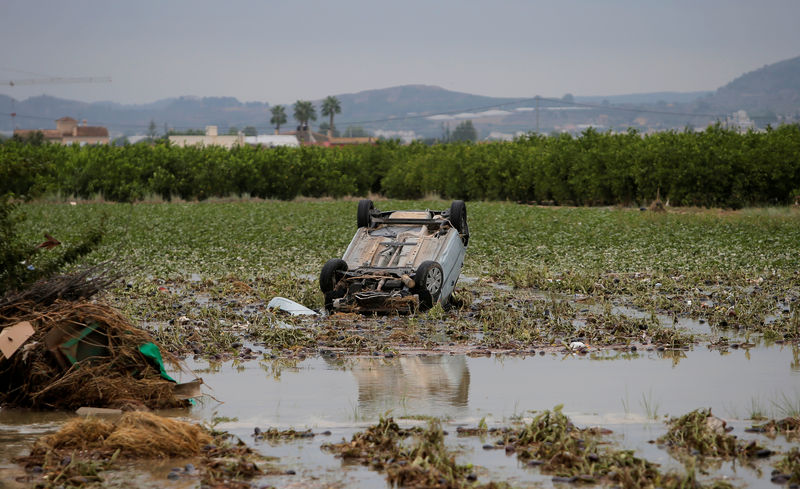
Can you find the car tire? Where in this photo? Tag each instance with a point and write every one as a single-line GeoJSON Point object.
{"type": "Point", "coordinates": [429, 280]}
{"type": "Point", "coordinates": [365, 207]}
{"type": "Point", "coordinates": [328, 276]}
{"type": "Point", "coordinates": [458, 218]}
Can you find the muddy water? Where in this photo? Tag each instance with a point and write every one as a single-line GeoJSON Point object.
{"type": "Point", "coordinates": [629, 393]}
{"type": "Point", "coordinates": [328, 393]}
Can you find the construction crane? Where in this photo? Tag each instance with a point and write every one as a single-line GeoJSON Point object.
{"type": "Point", "coordinates": [55, 80]}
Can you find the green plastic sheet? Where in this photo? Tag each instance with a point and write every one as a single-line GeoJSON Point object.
{"type": "Point", "coordinates": [151, 351]}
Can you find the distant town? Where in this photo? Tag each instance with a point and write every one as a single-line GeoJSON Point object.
{"type": "Point", "coordinates": [766, 97]}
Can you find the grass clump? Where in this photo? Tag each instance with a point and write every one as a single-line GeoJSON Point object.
{"type": "Point", "coordinates": [788, 468]}
{"type": "Point", "coordinates": [425, 462]}
{"type": "Point", "coordinates": [553, 443]}
{"type": "Point", "coordinates": [375, 446]}
{"type": "Point", "coordinates": [701, 433]}
{"type": "Point", "coordinates": [789, 427]}
{"type": "Point", "coordinates": [274, 434]}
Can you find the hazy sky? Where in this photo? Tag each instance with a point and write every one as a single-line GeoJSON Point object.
{"type": "Point", "coordinates": [281, 51]}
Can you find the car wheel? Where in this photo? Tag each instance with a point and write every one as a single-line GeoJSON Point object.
{"type": "Point", "coordinates": [428, 283]}
{"type": "Point", "coordinates": [458, 218]}
{"type": "Point", "coordinates": [365, 207]}
{"type": "Point", "coordinates": [329, 276]}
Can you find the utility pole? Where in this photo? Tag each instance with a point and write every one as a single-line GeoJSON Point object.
{"type": "Point", "coordinates": [538, 99]}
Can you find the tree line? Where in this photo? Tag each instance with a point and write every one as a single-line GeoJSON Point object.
{"type": "Point", "coordinates": [717, 167]}
{"type": "Point", "coordinates": [304, 112]}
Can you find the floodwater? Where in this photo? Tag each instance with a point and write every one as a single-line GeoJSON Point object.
{"type": "Point", "coordinates": [627, 392]}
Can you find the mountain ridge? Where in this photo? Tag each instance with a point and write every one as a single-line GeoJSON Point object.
{"type": "Point", "coordinates": [771, 89]}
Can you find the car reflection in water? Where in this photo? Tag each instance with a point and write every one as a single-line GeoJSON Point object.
{"type": "Point", "coordinates": [416, 385]}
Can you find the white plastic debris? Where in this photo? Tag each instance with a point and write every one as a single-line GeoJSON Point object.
{"type": "Point", "coordinates": [578, 345]}
{"type": "Point", "coordinates": [290, 306]}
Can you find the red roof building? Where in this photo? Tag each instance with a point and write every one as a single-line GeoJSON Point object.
{"type": "Point", "coordinates": [68, 131]}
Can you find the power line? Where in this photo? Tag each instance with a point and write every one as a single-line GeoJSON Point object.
{"type": "Point", "coordinates": [56, 80]}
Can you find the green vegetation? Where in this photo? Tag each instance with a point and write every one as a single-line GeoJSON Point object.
{"type": "Point", "coordinates": [788, 468]}
{"type": "Point", "coordinates": [22, 262]}
{"type": "Point", "coordinates": [426, 462]}
{"type": "Point", "coordinates": [574, 455]}
{"type": "Point", "coordinates": [701, 433]}
{"type": "Point", "coordinates": [304, 111]}
{"type": "Point", "coordinates": [716, 167]}
{"type": "Point", "coordinates": [330, 107]}
{"type": "Point", "coordinates": [464, 131]}
{"type": "Point", "coordinates": [220, 263]}
{"type": "Point", "coordinates": [278, 117]}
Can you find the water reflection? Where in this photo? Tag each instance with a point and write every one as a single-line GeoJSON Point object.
{"type": "Point", "coordinates": [795, 365]}
{"type": "Point", "coordinates": [675, 355]}
{"type": "Point", "coordinates": [416, 382]}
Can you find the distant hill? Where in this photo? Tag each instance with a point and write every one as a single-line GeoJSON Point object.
{"type": "Point", "coordinates": [765, 94]}
{"type": "Point", "coordinates": [646, 98]}
{"type": "Point", "coordinates": [410, 100]}
{"type": "Point", "coordinates": [773, 88]}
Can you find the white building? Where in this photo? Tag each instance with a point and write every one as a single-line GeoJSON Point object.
{"type": "Point", "coordinates": [272, 140]}
{"type": "Point", "coordinates": [739, 121]}
{"type": "Point", "coordinates": [211, 138]}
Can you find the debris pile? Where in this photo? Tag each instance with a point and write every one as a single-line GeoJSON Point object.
{"type": "Point", "coordinates": [135, 435]}
{"type": "Point", "coordinates": [83, 448]}
{"type": "Point", "coordinates": [62, 351]}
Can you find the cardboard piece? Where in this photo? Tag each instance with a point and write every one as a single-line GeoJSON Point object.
{"type": "Point", "coordinates": [188, 390]}
{"type": "Point", "coordinates": [72, 343]}
{"type": "Point", "coordinates": [92, 411]}
{"type": "Point", "coordinates": [12, 337]}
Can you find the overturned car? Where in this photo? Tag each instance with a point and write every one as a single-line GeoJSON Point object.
{"type": "Point", "coordinates": [398, 261]}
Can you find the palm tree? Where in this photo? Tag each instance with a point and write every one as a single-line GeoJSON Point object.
{"type": "Point", "coordinates": [304, 111]}
{"type": "Point", "coordinates": [278, 117]}
{"type": "Point", "coordinates": [331, 106]}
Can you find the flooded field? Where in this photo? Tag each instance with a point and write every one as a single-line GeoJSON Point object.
{"type": "Point", "coordinates": [629, 393]}
{"type": "Point", "coordinates": [636, 321]}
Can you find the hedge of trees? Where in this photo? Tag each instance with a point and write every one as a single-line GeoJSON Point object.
{"type": "Point", "coordinates": [716, 167]}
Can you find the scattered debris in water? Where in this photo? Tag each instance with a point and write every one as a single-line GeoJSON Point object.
{"type": "Point", "coordinates": [553, 444]}
{"type": "Point", "coordinates": [700, 433]}
{"type": "Point", "coordinates": [787, 470]}
{"type": "Point", "coordinates": [790, 427]}
{"type": "Point", "coordinates": [426, 462]}
{"type": "Point", "coordinates": [83, 448]}
{"type": "Point", "coordinates": [274, 434]}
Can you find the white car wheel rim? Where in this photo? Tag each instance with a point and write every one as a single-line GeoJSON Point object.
{"type": "Point", "coordinates": [433, 282]}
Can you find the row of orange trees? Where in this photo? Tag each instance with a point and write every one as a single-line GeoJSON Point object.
{"type": "Point", "coordinates": [715, 167]}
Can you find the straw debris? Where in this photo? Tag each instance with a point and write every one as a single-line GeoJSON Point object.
{"type": "Point", "coordinates": [84, 447]}
{"type": "Point", "coordinates": [136, 435]}
{"type": "Point", "coordinates": [118, 376]}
